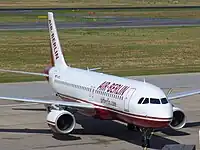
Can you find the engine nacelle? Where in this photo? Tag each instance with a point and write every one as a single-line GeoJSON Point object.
{"type": "Point", "coordinates": [179, 119]}
{"type": "Point", "coordinates": [60, 121]}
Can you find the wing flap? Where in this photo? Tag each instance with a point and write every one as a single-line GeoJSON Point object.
{"type": "Point", "coordinates": [55, 102]}
{"type": "Point", "coordinates": [183, 94]}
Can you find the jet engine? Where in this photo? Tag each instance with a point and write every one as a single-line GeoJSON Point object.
{"type": "Point", "coordinates": [60, 121]}
{"type": "Point", "coordinates": [179, 119]}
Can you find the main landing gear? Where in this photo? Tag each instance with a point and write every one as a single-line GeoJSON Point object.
{"type": "Point", "coordinates": [146, 134]}
{"type": "Point", "coordinates": [133, 127]}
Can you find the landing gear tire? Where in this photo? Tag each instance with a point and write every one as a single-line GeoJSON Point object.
{"type": "Point", "coordinates": [145, 143]}
{"type": "Point", "coordinates": [133, 127]}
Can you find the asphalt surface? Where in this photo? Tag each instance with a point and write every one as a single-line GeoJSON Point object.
{"type": "Point", "coordinates": [24, 127]}
{"type": "Point", "coordinates": [123, 23]}
{"type": "Point", "coordinates": [108, 22]}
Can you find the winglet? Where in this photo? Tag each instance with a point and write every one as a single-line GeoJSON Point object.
{"type": "Point", "coordinates": [56, 51]}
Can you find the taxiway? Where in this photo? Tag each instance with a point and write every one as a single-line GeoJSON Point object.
{"type": "Point", "coordinates": [24, 127]}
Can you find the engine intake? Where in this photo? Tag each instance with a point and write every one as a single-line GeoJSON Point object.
{"type": "Point", "coordinates": [62, 122]}
{"type": "Point", "coordinates": [179, 119]}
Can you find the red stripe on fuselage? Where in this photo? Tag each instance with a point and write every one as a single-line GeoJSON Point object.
{"type": "Point", "coordinates": [139, 120]}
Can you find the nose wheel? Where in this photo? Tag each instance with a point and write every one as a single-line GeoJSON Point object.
{"type": "Point", "coordinates": [146, 136]}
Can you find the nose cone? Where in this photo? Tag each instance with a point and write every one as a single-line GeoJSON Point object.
{"type": "Point", "coordinates": [155, 111]}
{"type": "Point", "coordinates": [159, 115]}
{"type": "Point", "coordinates": [161, 110]}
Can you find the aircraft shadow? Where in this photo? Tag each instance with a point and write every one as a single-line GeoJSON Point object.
{"type": "Point", "coordinates": [110, 129]}
{"type": "Point", "coordinates": [192, 124]}
{"type": "Point", "coordinates": [116, 130]}
{"type": "Point", "coordinates": [29, 109]}
{"type": "Point", "coordinates": [42, 131]}
{"type": "Point", "coordinates": [171, 132]}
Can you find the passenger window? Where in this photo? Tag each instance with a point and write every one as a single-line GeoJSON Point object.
{"type": "Point", "coordinates": [154, 101]}
{"type": "Point", "coordinates": [146, 101]}
{"type": "Point", "coordinates": [164, 101]}
{"type": "Point", "coordinates": [140, 101]}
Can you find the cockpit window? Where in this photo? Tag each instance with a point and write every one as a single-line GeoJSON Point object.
{"type": "Point", "coordinates": [146, 101]}
{"type": "Point", "coordinates": [154, 101]}
{"type": "Point", "coordinates": [143, 100]}
{"type": "Point", "coordinates": [164, 101]}
{"type": "Point", "coordinates": [140, 101]}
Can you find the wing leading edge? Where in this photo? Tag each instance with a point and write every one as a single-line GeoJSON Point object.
{"type": "Point", "coordinates": [183, 94]}
{"type": "Point", "coordinates": [55, 102]}
{"type": "Point", "coordinates": [24, 72]}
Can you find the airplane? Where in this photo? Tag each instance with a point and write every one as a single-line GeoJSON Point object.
{"type": "Point", "coordinates": [144, 107]}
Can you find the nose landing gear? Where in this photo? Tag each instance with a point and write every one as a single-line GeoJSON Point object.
{"type": "Point", "coordinates": [146, 134]}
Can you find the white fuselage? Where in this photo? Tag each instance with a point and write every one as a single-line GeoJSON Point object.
{"type": "Point", "coordinates": [113, 97]}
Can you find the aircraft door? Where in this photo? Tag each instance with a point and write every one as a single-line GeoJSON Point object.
{"type": "Point", "coordinates": [127, 99]}
{"type": "Point", "coordinates": [91, 94]}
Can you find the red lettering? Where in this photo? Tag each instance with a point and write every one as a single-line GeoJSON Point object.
{"type": "Point", "coordinates": [50, 25]}
{"type": "Point", "coordinates": [52, 36]}
{"type": "Point", "coordinates": [117, 87]}
{"type": "Point", "coordinates": [56, 54]}
{"type": "Point", "coordinates": [103, 86]}
{"type": "Point", "coordinates": [111, 88]}
{"type": "Point", "coordinates": [123, 90]}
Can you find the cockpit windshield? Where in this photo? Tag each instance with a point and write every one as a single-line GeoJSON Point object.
{"type": "Point", "coordinates": [140, 101]}
{"type": "Point", "coordinates": [146, 101]}
{"type": "Point", "coordinates": [143, 100]}
{"type": "Point", "coordinates": [154, 101]}
{"type": "Point", "coordinates": [164, 101]}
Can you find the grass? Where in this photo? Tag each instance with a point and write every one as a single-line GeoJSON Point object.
{"type": "Point", "coordinates": [166, 13]}
{"type": "Point", "coordinates": [93, 3]}
{"type": "Point", "coordinates": [121, 52]}
{"type": "Point", "coordinates": [42, 17]}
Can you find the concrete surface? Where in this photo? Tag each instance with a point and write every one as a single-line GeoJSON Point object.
{"type": "Point", "coordinates": [24, 127]}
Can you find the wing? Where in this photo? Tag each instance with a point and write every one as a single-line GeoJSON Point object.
{"type": "Point", "coordinates": [183, 94]}
{"type": "Point", "coordinates": [24, 72]}
{"type": "Point", "coordinates": [55, 102]}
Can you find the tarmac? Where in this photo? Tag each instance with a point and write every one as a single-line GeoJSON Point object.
{"type": "Point", "coordinates": [24, 127]}
{"type": "Point", "coordinates": [94, 23]}
{"type": "Point", "coordinates": [116, 23]}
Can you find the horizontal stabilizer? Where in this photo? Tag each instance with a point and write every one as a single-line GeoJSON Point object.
{"type": "Point", "coordinates": [93, 69]}
{"type": "Point", "coordinates": [24, 72]}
